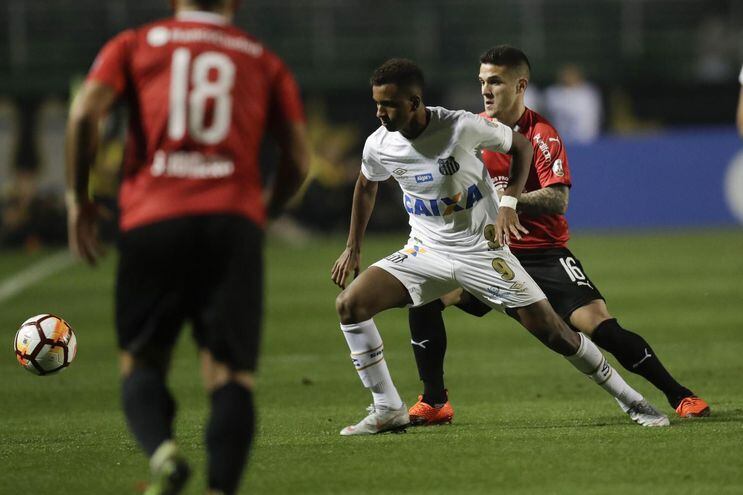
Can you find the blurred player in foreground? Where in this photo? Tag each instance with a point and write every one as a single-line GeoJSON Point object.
{"type": "Point", "coordinates": [458, 238]}
{"type": "Point", "coordinates": [201, 94]}
{"type": "Point", "coordinates": [504, 76]}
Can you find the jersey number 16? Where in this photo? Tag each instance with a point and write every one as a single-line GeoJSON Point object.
{"type": "Point", "coordinates": [188, 108]}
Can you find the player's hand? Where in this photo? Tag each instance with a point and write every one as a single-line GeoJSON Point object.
{"type": "Point", "coordinates": [347, 263]}
{"type": "Point", "coordinates": [82, 230]}
{"type": "Point", "coordinates": [507, 225]}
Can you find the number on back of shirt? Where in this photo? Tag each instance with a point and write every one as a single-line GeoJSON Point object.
{"type": "Point", "coordinates": [211, 76]}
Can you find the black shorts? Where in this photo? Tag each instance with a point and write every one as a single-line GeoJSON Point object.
{"type": "Point", "coordinates": [560, 275]}
{"type": "Point", "coordinates": [207, 270]}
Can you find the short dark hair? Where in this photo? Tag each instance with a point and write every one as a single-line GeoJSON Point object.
{"type": "Point", "coordinates": [400, 71]}
{"type": "Point", "coordinates": [507, 56]}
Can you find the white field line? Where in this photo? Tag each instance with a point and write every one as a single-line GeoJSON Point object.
{"type": "Point", "coordinates": [34, 274]}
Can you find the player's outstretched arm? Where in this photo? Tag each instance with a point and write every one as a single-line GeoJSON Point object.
{"type": "Point", "coordinates": [364, 196]}
{"type": "Point", "coordinates": [293, 165]}
{"type": "Point", "coordinates": [507, 223]}
{"type": "Point", "coordinates": [92, 103]}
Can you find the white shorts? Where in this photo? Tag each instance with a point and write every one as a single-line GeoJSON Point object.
{"type": "Point", "coordinates": [493, 276]}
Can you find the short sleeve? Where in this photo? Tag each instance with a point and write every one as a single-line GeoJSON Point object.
{"type": "Point", "coordinates": [370, 165]}
{"type": "Point", "coordinates": [110, 66]}
{"type": "Point", "coordinates": [550, 159]}
{"type": "Point", "coordinates": [480, 133]}
{"type": "Point", "coordinates": [286, 102]}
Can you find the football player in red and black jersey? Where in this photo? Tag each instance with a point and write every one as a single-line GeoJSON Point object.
{"type": "Point", "coordinates": [543, 252]}
{"type": "Point", "coordinates": [201, 95]}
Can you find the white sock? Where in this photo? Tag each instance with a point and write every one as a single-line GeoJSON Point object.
{"type": "Point", "coordinates": [367, 354]}
{"type": "Point", "coordinates": [590, 361]}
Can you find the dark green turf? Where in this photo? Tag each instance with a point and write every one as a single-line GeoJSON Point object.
{"type": "Point", "coordinates": [526, 421]}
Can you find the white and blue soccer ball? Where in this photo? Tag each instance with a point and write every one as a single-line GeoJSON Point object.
{"type": "Point", "coordinates": [45, 344]}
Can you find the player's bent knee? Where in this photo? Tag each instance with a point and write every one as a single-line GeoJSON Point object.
{"type": "Point", "coordinates": [129, 361]}
{"type": "Point", "coordinates": [542, 322]}
{"type": "Point", "coordinates": [216, 374]}
{"type": "Point", "coordinates": [245, 379]}
{"type": "Point", "coordinates": [350, 309]}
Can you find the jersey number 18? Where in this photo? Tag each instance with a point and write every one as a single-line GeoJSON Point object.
{"type": "Point", "coordinates": [188, 108]}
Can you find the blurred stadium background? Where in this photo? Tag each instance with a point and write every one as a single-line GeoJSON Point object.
{"type": "Point", "coordinates": [656, 211]}
{"type": "Point", "coordinates": [664, 72]}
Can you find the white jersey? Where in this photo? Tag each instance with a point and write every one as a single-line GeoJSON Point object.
{"type": "Point", "coordinates": [446, 189]}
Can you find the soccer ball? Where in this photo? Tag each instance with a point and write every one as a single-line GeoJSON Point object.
{"type": "Point", "coordinates": [45, 344]}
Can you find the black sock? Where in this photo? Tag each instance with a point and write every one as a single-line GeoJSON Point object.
{"type": "Point", "coordinates": [636, 355]}
{"type": "Point", "coordinates": [229, 435]}
{"type": "Point", "coordinates": [149, 407]}
{"type": "Point", "coordinates": [428, 334]}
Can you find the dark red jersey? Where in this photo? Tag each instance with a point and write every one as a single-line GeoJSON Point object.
{"type": "Point", "coordinates": [550, 166]}
{"type": "Point", "coordinates": [201, 93]}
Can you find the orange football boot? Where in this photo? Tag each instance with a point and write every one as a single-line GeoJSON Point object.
{"type": "Point", "coordinates": [422, 414]}
{"type": "Point", "coordinates": [692, 407]}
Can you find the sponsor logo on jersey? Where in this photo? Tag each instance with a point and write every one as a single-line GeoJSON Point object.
{"type": "Point", "coordinates": [500, 182]}
{"type": "Point", "coordinates": [415, 250]}
{"type": "Point", "coordinates": [518, 287]}
{"type": "Point", "coordinates": [423, 178]}
{"type": "Point", "coordinates": [448, 166]}
{"type": "Point", "coordinates": [160, 36]}
{"type": "Point", "coordinates": [190, 165]}
{"type": "Point", "coordinates": [557, 168]}
{"type": "Point", "coordinates": [443, 206]}
{"type": "Point", "coordinates": [543, 147]}
{"type": "Point", "coordinates": [397, 257]}
{"type": "Point", "coordinates": [399, 171]}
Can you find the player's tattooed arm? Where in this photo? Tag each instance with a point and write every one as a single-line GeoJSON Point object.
{"type": "Point", "coordinates": [551, 200]}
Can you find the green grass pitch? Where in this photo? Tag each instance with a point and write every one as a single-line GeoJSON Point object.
{"type": "Point", "coordinates": [526, 422]}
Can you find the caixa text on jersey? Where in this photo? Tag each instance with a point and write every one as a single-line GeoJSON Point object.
{"type": "Point", "coordinates": [442, 207]}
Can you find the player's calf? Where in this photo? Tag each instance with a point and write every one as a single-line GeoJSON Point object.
{"type": "Point", "coordinates": [428, 340]}
{"type": "Point", "coordinates": [148, 406]}
{"type": "Point", "coordinates": [229, 435]}
{"type": "Point", "coordinates": [542, 322]}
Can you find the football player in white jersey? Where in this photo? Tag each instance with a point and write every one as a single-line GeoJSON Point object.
{"type": "Point", "coordinates": [459, 237]}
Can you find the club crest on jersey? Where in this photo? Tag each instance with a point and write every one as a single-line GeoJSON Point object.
{"type": "Point", "coordinates": [443, 206]}
{"type": "Point", "coordinates": [448, 166]}
{"type": "Point", "coordinates": [557, 168]}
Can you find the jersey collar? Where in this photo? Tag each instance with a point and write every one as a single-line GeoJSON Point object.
{"type": "Point", "coordinates": [201, 16]}
{"type": "Point", "coordinates": [523, 122]}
